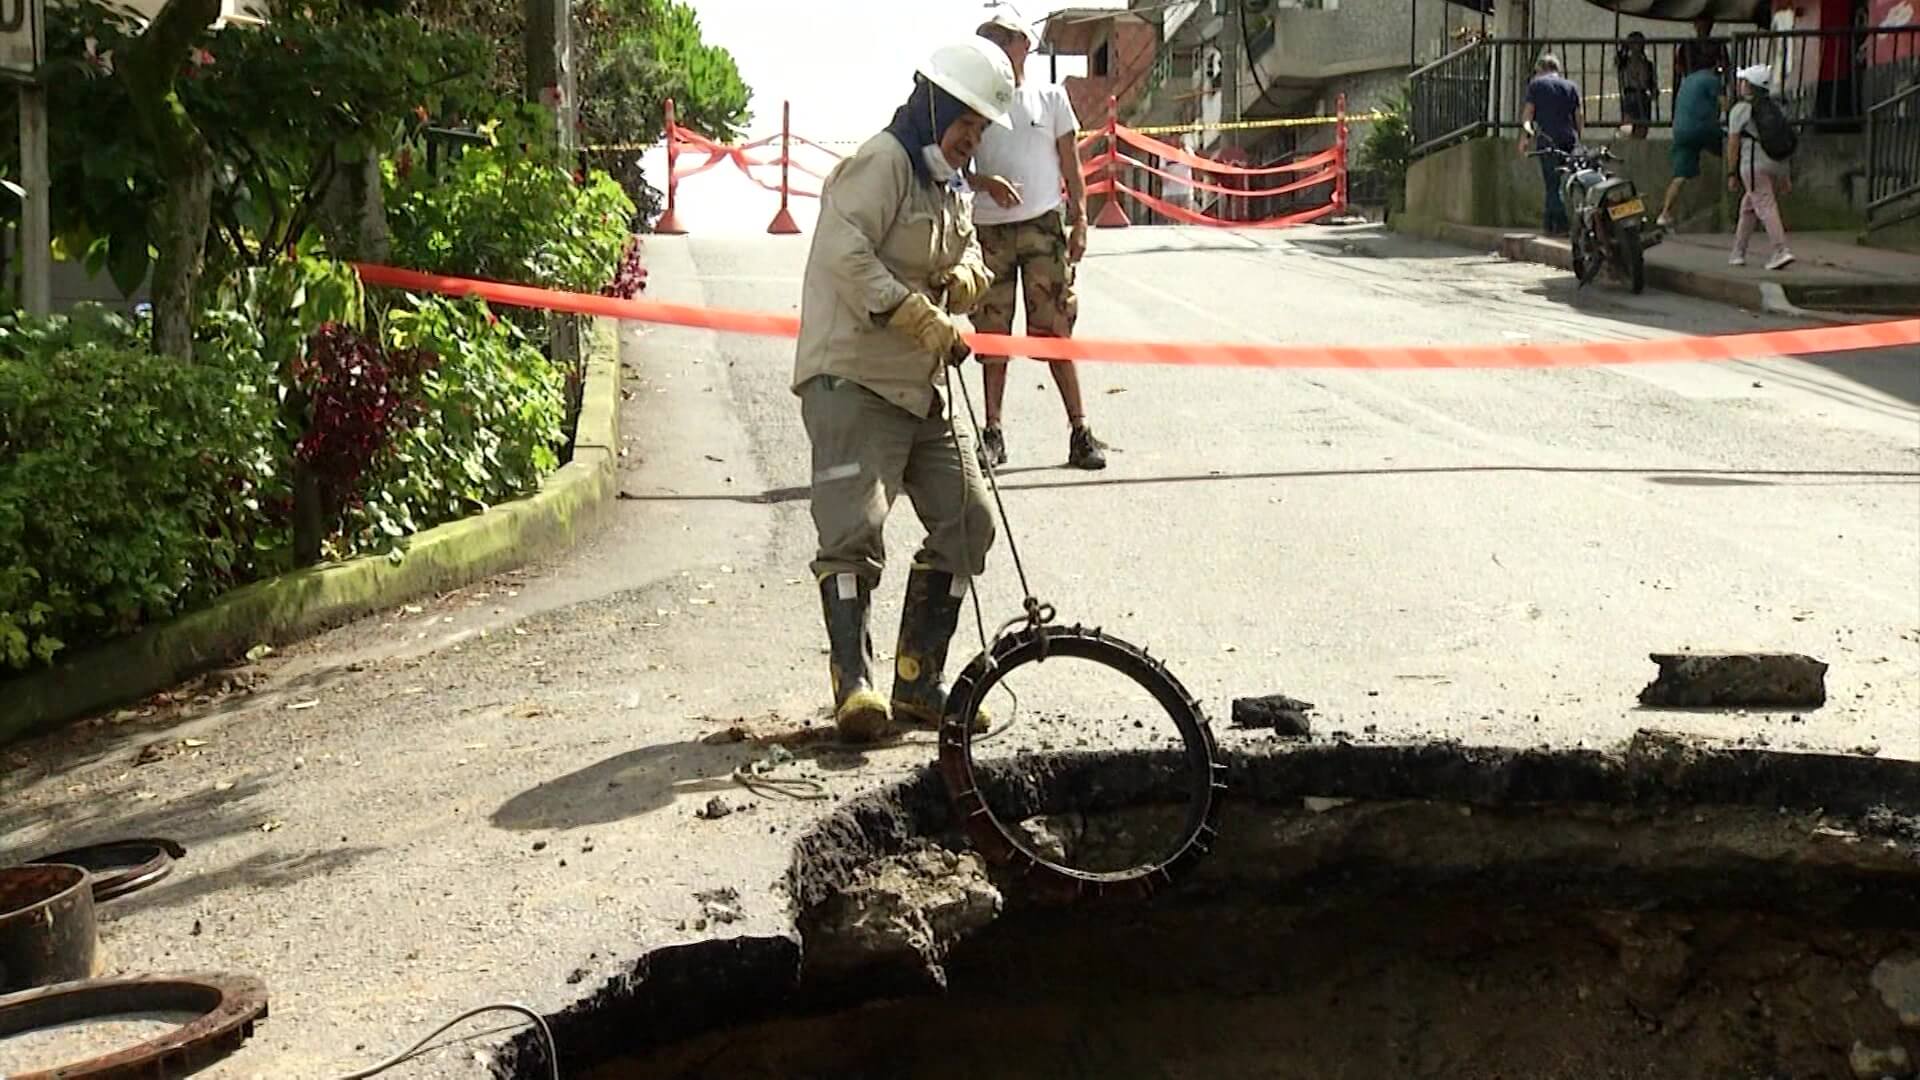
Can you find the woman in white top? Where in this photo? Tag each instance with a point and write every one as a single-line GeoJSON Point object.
{"type": "Point", "coordinates": [1765, 179]}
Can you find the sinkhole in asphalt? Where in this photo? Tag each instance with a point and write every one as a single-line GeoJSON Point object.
{"type": "Point", "coordinates": [1663, 911]}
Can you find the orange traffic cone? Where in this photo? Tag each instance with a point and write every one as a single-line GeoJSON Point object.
{"type": "Point", "coordinates": [1111, 216]}
{"type": "Point", "coordinates": [783, 223]}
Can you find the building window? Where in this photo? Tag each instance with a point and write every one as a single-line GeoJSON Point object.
{"type": "Point", "coordinates": [1097, 63]}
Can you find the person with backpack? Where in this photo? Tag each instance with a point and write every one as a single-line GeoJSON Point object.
{"type": "Point", "coordinates": [1760, 139]}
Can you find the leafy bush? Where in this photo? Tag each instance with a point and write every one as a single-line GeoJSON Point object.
{"type": "Point", "coordinates": [506, 217]}
{"type": "Point", "coordinates": [134, 487]}
{"type": "Point", "coordinates": [131, 485]}
{"type": "Point", "coordinates": [1388, 148]}
{"type": "Point", "coordinates": [360, 400]}
{"type": "Point", "coordinates": [489, 427]}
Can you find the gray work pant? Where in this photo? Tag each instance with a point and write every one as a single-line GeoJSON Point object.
{"type": "Point", "coordinates": [866, 451]}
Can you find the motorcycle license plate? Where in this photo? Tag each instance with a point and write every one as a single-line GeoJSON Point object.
{"type": "Point", "coordinates": [1626, 209]}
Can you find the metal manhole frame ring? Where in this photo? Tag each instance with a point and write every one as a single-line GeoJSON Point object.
{"type": "Point", "coordinates": [113, 884]}
{"type": "Point", "coordinates": [229, 1005]}
{"type": "Point", "coordinates": [1000, 843]}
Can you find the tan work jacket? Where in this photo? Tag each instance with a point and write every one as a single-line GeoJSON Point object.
{"type": "Point", "coordinates": [881, 233]}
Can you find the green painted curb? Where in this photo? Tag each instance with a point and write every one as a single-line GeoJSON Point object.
{"type": "Point", "coordinates": [295, 605]}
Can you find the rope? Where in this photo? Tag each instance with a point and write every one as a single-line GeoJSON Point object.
{"type": "Point", "coordinates": [796, 787]}
{"type": "Point", "coordinates": [1034, 609]}
{"type": "Point", "coordinates": [421, 1047]}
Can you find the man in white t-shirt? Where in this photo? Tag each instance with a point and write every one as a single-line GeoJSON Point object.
{"type": "Point", "coordinates": [1032, 234]}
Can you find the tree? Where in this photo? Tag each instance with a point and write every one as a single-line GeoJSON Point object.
{"type": "Point", "coordinates": [150, 69]}
{"type": "Point", "coordinates": [634, 55]}
{"type": "Point", "coordinates": [630, 56]}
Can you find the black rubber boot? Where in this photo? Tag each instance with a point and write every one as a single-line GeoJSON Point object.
{"type": "Point", "coordinates": [993, 449]}
{"type": "Point", "coordinates": [859, 712]}
{"type": "Point", "coordinates": [927, 623]}
{"type": "Point", "coordinates": [1084, 451]}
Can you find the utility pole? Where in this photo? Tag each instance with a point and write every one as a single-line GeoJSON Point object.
{"type": "Point", "coordinates": [550, 78]}
{"type": "Point", "coordinates": [550, 81]}
{"type": "Point", "coordinates": [1231, 50]}
{"type": "Point", "coordinates": [23, 46]}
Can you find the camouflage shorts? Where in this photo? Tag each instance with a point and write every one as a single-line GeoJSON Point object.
{"type": "Point", "coordinates": [1030, 258]}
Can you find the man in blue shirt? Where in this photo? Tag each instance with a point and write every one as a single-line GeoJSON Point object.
{"type": "Point", "coordinates": [1550, 120]}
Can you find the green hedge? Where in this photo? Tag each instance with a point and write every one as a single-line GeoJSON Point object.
{"type": "Point", "coordinates": [134, 487]}
{"type": "Point", "coordinates": [131, 486]}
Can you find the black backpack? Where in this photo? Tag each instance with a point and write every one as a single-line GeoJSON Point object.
{"type": "Point", "coordinates": [1775, 131]}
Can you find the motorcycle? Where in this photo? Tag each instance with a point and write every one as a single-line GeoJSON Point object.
{"type": "Point", "coordinates": [1607, 216]}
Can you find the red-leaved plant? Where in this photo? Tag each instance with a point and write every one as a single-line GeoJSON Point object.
{"type": "Point", "coordinates": [361, 398]}
{"type": "Point", "coordinates": [631, 277]}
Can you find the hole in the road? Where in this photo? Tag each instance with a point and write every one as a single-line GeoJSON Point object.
{"type": "Point", "coordinates": [1373, 911]}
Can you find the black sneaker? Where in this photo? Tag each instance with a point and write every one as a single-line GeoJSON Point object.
{"type": "Point", "coordinates": [1086, 452]}
{"type": "Point", "coordinates": [993, 448]}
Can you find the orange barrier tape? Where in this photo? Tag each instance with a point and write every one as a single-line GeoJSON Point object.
{"type": "Point", "coordinates": [1202, 164]}
{"type": "Point", "coordinates": [1192, 217]}
{"type": "Point", "coordinates": [1324, 176]}
{"type": "Point", "coordinates": [1824, 339]}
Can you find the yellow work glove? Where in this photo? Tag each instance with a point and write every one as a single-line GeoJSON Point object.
{"type": "Point", "coordinates": [966, 286]}
{"type": "Point", "coordinates": [930, 328]}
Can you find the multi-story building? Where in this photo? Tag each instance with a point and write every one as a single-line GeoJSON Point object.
{"type": "Point", "coordinates": [1120, 47]}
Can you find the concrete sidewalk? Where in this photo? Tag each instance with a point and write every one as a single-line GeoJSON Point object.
{"type": "Point", "coordinates": [1833, 273]}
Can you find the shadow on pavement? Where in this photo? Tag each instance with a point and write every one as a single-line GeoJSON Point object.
{"type": "Point", "coordinates": [1893, 373]}
{"type": "Point", "coordinates": [220, 694]}
{"type": "Point", "coordinates": [623, 786]}
{"type": "Point", "coordinates": [256, 873]}
{"type": "Point", "coordinates": [194, 821]}
{"type": "Point", "coordinates": [1673, 477]}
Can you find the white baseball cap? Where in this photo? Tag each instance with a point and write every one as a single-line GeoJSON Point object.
{"type": "Point", "coordinates": [1759, 75]}
{"type": "Point", "coordinates": [1007, 20]}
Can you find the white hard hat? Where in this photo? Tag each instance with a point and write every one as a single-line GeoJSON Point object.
{"type": "Point", "coordinates": [1759, 75]}
{"type": "Point", "coordinates": [1008, 21]}
{"type": "Point", "coordinates": [976, 72]}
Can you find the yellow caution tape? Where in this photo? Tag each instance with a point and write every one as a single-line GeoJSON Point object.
{"type": "Point", "coordinates": [1158, 129]}
{"type": "Point", "coordinates": [1249, 125]}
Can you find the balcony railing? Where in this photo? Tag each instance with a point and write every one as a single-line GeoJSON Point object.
{"type": "Point", "coordinates": [1452, 97]}
{"type": "Point", "coordinates": [1893, 158]}
{"type": "Point", "coordinates": [1823, 79]}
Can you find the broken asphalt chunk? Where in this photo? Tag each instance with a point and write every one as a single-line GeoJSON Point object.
{"type": "Point", "coordinates": [1285, 716]}
{"type": "Point", "coordinates": [1736, 680]}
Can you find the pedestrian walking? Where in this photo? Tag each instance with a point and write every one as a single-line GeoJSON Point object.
{"type": "Point", "coordinates": [894, 261]}
{"type": "Point", "coordinates": [1551, 120]}
{"type": "Point", "coordinates": [1031, 209]}
{"type": "Point", "coordinates": [1696, 131]}
{"type": "Point", "coordinates": [1757, 130]}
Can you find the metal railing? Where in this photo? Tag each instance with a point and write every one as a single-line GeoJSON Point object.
{"type": "Point", "coordinates": [1824, 79]}
{"type": "Point", "coordinates": [1893, 157]}
{"type": "Point", "coordinates": [1830, 78]}
{"type": "Point", "coordinates": [1453, 97]}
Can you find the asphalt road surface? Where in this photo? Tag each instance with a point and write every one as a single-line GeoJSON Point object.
{"type": "Point", "coordinates": [493, 795]}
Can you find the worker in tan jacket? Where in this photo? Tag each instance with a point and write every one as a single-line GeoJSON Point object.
{"type": "Point", "coordinates": [894, 262]}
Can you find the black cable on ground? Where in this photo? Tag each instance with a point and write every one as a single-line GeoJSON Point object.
{"type": "Point", "coordinates": [423, 1046]}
